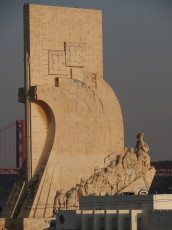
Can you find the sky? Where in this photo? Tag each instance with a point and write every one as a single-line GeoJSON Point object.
{"type": "Point", "coordinates": [137, 53]}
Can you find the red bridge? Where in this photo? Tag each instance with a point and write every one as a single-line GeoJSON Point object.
{"type": "Point", "coordinates": [12, 147]}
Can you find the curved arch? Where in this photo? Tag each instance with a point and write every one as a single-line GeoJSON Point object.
{"type": "Point", "coordinates": [36, 179]}
{"type": "Point", "coordinates": [49, 138]}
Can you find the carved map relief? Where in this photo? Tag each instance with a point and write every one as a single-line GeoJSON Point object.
{"type": "Point", "coordinates": [56, 62]}
{"type": "Point", "coordinates": [75, 54]}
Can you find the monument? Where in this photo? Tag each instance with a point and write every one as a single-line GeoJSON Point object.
{"type": "Point", "coordinates": [74, 124]}
{"type": "Point", "coordinates": [129, 172]}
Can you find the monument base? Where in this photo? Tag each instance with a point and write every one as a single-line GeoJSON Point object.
{"type": "Point", "coordinates": [25, 223]}
{"type": "Point", "coordinates": [142, 183]}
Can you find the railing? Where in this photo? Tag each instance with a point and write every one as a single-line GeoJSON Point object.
{"type": "Point", "coordinates": [6, 171]}
{"type": "Point", "coordinates": [163, 172]}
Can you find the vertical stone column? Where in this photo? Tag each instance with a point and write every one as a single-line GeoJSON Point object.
{"type": "Point", "coordinates": [28, 123]}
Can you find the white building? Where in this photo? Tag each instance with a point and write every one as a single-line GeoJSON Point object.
{"type": "Point", "coordinates": [127, 212]}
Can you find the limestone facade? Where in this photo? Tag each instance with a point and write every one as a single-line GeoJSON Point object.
{"type": "Point", "coordinates": [66, 66]}
{"type": "Point", "coordinates": [76, 120]}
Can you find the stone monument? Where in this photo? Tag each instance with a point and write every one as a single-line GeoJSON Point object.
{"type": "Point", "coordinates": [74, 124]}
{"type": "Point", "coordinates": [129, 172]}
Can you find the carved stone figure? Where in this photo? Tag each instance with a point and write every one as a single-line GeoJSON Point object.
{"type": "Point", "coordinates": [120, 173]}
{"type": "Point", "coordinates": [96, 170]}
{"type": "Point", "coordinates": [109, 158]}
{"type": "Point", "coordinates": [81, 189]}
{"type": "Point", "coordinates": [111, 173]}
{"type": "Point", "coordinates": [59, 201]}
{"type": "Point", "coordinates": [91, 182]}
{"type": "Point", "coordinates": [141, 150]}
{"type": "Point", "coordinates": [129, 163]}
{"type": "Point", "coordinates": [129, 175]}
{"type": "Point", "coordinates": [141, 146]}
{"type": "Point", "coordinates": [125, 150]}
{"type": "Point", "coordinates": [72, 200]}
{"type": "Point", "coordinates": [89, 188]}
{"type": "Point", "coordinates": [99, 184]}
{"type": "Point", "coordinates": [112, 178]}
{"type": "Point", "coordinates": [133, 157]}
{"type": "Point", "coordinates": [137, 169]}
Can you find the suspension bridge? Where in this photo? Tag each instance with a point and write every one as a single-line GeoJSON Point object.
{"type": "Point", "coordinates": [12, 147]}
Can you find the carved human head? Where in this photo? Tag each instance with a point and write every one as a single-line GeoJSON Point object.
{"type": "Point", "coordinates": [86, 185]}
{"type": "Point", "coordinates": [96, 170]}
{"type": "Point", "coordinates": [108, 169]}
{"type": "Point", "coordinates": [61, 191]}
{"type": "Point", "coordinates": [125, 150]}
{"type": "Point", "coordinates": [131, 150]}
{"type": "Point", "coordinates": [99, 173]}
{"type": "Point", "coordinates": [120, 158]}
{"type": "Point", "coordinates": [140, 135]}
{"type": "Point", "coordinates": [112, 164]}
{"type": "Point", "coordinates": [129, 166]}
{"type": "Point", "coordinates": [82, 181]}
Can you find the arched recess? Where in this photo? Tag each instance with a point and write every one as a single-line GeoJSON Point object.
{"type": "Point", "coordinates": [49, 137]}
{"type": "Point", "coordinates": [31, 192]}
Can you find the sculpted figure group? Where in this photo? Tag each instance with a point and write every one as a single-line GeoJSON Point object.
{"type": "Point", "coordinates": [119, 171]}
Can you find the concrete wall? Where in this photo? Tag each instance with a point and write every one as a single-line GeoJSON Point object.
{"type": "Point", "coordinates": [120, 202]}
{"type": "Point", "coordinates": [162, 202]}
{"type": "Point", "coordinates": [98, 219]}
{"type": "Point", "coordinates": [159, 220]}
{"type": "Point", "coordinates": [24, 224]}
{"type": "Point", "coordinates": [114, 220]}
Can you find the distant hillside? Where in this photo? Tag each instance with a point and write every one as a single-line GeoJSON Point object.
{"type": "Point", "coordinates": [162, 164]}
{"type": "Point", "coordinates": [161, 184]}
{"type": "Point", "coordinates": [6, 184]}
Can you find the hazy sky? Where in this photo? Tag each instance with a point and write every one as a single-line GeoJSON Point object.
{"type": "Point", "coordinates": [137, 46]}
